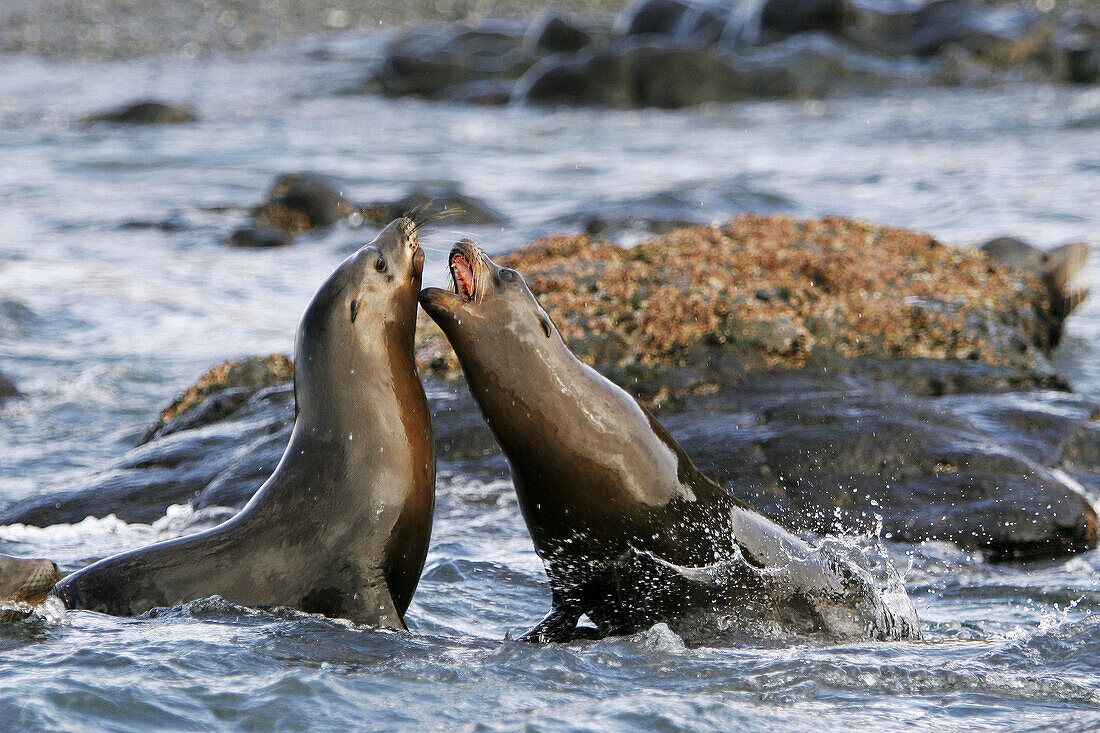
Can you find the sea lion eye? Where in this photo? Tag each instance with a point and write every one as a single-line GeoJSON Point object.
{"type": "Point", "coordinates": [380, 264]}
{"type": "Point", "coordinates": [545, 323]}
{"type": "Point", "coordinates": [354, 310]}
{"type": "Point", "coordinates": [508, 275]}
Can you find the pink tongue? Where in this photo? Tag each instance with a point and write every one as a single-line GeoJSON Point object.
{"type": "Point", "coordinates": [464, 276]}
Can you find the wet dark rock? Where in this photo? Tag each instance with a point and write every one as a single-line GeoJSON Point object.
{"type": "Point", "coordinates": [817, 450]}
{"type": "Point", "coordinates": [1075, 57]}
{"type": "Point", "coordinates": [437, 62]}
{"type": "Point", "coordinates": [1003, 36]}
{"type": "Point", "coordinates": [7, 388]}
{"type": "Point", "coordinates": [173, 469]}
{"type": "Point", "coordinates": [553, 33]}
{"type": "Point", "coordinates": [821, 452]}
{"type": "Point", "coordinates": [147, 112]}
{"type": "Point", "coordinates": [295, 203]}
{"type": "Point", "coordinates": [219, 391]}
{"type": "Point", "coordinates": [663, 211]}
{"type": "Point", "coordinates": [671, 53]}
{"type": "Point", "coordinates": [656, 73]}
{"type": "Point", "coordinates": [651, 17]}
{"type": "Point", "coordinates": [434, 197]}
{"type": "Point", "coordinates": [787, 17]}
{"type": "Point", "coordinates": [298, 202]}
{"type": "Point", "coordinates": [254, 235]}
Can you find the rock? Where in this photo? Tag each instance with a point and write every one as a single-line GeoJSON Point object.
{"type": "Point", "coordinates": [1075, 58]}
{"type": "Point", "coordinates": [702, 307]}
{"type": "Point", "coordinates": [823, 454]}
{"type": "Point", "coordinates": [298, 202]}
{"type": "Point", "coordinates": [219, 392]}
{"type": "Point", "coordinates": [686, 205]}
{"type": "Point", "coordinates": [552, 33]}
{"type": "Point", "coordinates": [815, 449]}
{"type": "Point", "coordinates": [1001, 36]}
{"type": "Point", "coordinates": [7, 388]}
{"type": "Point", "coordinates": [656, 73]}
{"type": "Point", "coordinates": [439, 62]}
{"type": "Point", "coordinates": [435, 197]}
{"type": "Point", "coordinates": [174, 468]}
{"type": "Point", "coordinates": [1060, 270]}
{"type": "Point", "coordinates": [255, 235]}
{"type": "Point", "coordinates": [768, 21]}
{"type": "Point", "coordinates": [650, 17]}
{"type": "Point", "coordinates": [147, 112]}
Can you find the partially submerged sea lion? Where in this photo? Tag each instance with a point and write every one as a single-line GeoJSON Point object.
{"type": "Point", "coordinates": [1060, 269]}
{"type": "Point", "coordinates": [24, 582]}
{"type": "Point", "coordinates": [631, 533]}
{"type": "Point", "coordinates": [341, 527]}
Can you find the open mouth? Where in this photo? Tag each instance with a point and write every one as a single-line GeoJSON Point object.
{"type": "Point", "coordinates": [463, 275]}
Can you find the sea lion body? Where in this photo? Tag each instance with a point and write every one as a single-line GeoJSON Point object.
{"type": "Point", "coordinates": [631, 533]}
{"type": "Point", "coordinates": [342, 526]}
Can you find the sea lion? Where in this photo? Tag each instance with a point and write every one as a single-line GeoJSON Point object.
{"type": "Point", "coordinates": [24, 582]}
{"type": "Point", "coordinates": [630, 532]}
{"type": "Point", "coordinates": [341, 527]}
{"type": "Point", "coordinates": [1061, 270]}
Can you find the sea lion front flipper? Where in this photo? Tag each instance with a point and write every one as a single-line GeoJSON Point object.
{"type": "Point", "coordinates": [375, 605]}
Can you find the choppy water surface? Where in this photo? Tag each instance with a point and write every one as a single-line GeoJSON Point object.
{"type": "Point", "coordinates": [105, 318]}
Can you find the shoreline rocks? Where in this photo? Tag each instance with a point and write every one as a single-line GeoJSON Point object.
{"type": "Point", "coordinates": [677, 53]}
{"type": "Point", "coordinates": [933, 415]}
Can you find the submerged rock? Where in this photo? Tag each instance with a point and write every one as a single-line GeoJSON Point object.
{"type": "Point", "coordinates": [146, 112]}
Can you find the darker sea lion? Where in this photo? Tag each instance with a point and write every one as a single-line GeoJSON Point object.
{"type": "Point", "coordinates": [341, 527]}
{"type": "Point", "coordinates": [630, 532]}
{"type": "Point", "coordinates": [23, 583]}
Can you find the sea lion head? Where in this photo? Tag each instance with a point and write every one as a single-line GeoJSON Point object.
{"type": "Point", "coordinates": [491, 314]}
{"type": "Point", "coordinates": [365, 313]}
{"type": "Point", "coordinates": [25, 580]}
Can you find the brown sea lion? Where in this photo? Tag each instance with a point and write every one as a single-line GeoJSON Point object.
{"type": "Point", "coordinates": [630, 532]}
{"type": "Point", "coordinates": [341, 527]}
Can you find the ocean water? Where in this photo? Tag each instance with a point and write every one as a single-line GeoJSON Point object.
{"type": "Point", "coordinates": [117, 291]}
